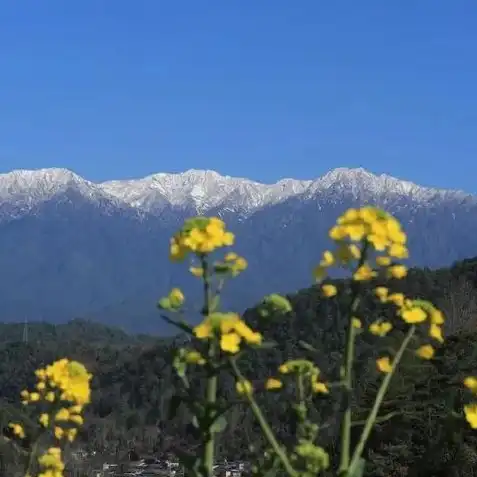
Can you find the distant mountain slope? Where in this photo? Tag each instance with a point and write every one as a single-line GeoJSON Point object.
{"type": "Point", "coordinates": [70, 247]}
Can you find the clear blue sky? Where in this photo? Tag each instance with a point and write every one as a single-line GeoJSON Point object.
{"type": "Point", "coordinates": [264, 89]}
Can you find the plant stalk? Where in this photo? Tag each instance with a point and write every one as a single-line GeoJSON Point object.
{"type": "Point", "coordinates": [370, 421]}
{"type": "Point", "coordinates": [266, 429]}
{"type": "Point", "coordinates": [211, 391]}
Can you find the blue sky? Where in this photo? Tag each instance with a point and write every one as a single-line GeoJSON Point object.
{"type": "Point", "coordinates": [264, 89]}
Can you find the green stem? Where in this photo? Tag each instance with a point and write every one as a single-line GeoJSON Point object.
{"type": "Point", "coordinates": [211, 391]}
{"type": "Point", "coordinates": [266, 429]}
{"type": "Point", "coordinates": [347, 371]}
{"type": "Point", "coordinates": [348, 387]}
{"type": "Point", "coordinates": [370, 421]}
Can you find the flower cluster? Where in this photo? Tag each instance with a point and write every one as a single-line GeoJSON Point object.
{"type": "Point", "coordinates": [200, 235]}
{"type": "Point", "coordinates": [412, 312]}
{"type": "Point", "coordinates": [231, 329]}
{"type": "Point", "coordinates": [65, 386]}
{"type": "Point", "coordinates": [51, 463]}
{"type": "Point", "coordinates": [375, 230]}
{"type": "Point", "coordinates": [470, 410]}
{"type": "Point", "coordinates": [306, 369]}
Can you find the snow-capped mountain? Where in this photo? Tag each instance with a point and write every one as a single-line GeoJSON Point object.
{"type": "Point", "coordinates": [70, 247]}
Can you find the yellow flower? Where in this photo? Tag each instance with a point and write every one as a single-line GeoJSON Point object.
{"type": "Point", "coordinates": [71, 434]}
{"type": "Point", "coordinates": [383, 261]}
{"type": "Point", "coordinates": [273, 383]}
{"type": "Point", "coordinates": [470, 411]}
{"type": "Point", "coordinates": [365, 272]}
{"type": "Point", "coordinates": [356, 323]}
{"type": "Point", "coordinates": [397, 299]}
{"type": "Point", "coordinates": [204, 330]}
{"type": "Point", "coordinates": [471, 383]}
{"type": "Point", "coordinates": [328, 259]}
{"type": "Point", "coordinates": [329, 290]}
{"type": "Point", "coordinates": [397, 271]}
{"type": "Point", "coordinates": [435, 332]}
{"type": "Point", "coordinates": [319, 387]}
{"type": "Point", "coordinates": [176, 298]}
{"type": "Point", "coordinates": [380, 328]}
{"type": "Point", "coordinates": [398, 251]}
{"type": "Point", "coordinates": [194, 357]}
{"type": "Point", "coordinates": [413, 315]}
{"type": "Point", "coordinates": [437, 318]}
{"type": "Point", "coordinates": [197, 271]}
{"type": "Point", "coordinates": [17, 430]}
{"type": "Point", "coordinates": [44, 419]}
{"type": "Point", "coordinates": [62, 415]}
{"type": "Point", "coordinates": [50, 396]}
{"type": "Point", "coordinates": [244, 387]}
{"type": "Point", "coordinates": [34, 397]}
{"type": "Point", "coordinates": [379, 242]}
{"type": "Point", "coordinates": [381, 293]}
{"type": "Point", "coordinates": [230, 342]}
{"type": "Point", "coordinates": [51, 463]}
{"type": "Point", "coordinates": [356, 232]}
{"type": "Point", "coordinates": [284, 369]}
{"type": "Point", "coordinates": [77, 419]}
{"type": "Point", "coordinates": [59, 432]}
{"type": "Point", "coordinates": [425, 352]}
{"type": "Point", "coordinates": [319, 273]}
{"type": "Point", "coordinates": [384, 365]}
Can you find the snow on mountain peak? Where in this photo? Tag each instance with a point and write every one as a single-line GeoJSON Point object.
{"type": "Point", "coordinates": [205, 190]}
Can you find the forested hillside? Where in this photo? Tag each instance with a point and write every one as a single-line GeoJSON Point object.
{"type": "Point", "coordinates": [133, 379]}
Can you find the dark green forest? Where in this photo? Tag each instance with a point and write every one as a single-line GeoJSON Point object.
{"type": "Point", "coordinates": [134, 382]}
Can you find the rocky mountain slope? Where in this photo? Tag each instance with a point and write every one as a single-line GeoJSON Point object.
{"type": "Point", "coordinates": [70, 247]}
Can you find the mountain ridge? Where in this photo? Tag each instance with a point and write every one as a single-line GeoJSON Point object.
{"type": "Point", "coordinates": [72, 248]}
{"type": "Point", "coordinates": [205, 189]}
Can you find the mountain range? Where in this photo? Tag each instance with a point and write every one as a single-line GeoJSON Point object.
{"type": "Point", "coordinates": [71, 248]}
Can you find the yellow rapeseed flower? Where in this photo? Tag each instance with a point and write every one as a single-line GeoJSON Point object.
{"type": "Point", "coordinates": [397, 298]}
{"type": "Point", "coordinates": [397, 271]}
{"type": "Point", "coordinates": [71, 434]}
{"type": "Point", "coordinates": [470, 411]}
{"type": "Point", "coordinates": [284, 369]}
{"type": "Point", "coordinates": [244, 387]}
{"type": "Point", "coordinates": [17, 430]}
{"type": "Point", "coordinates": [320, 387]}
{"type": "Point", "coordinates": [413, 315]}
{"type": "Point", "coordinates": [471, 383]}
{"type": "Point", "coordinates": [44, 419]}
{"type": "Point", "coordinates": [384, 364]}
{"type": "Point", "coordinates": [273, 383]}
{"type": "Point", "coordinates": [381, 293]}
{"type": "Point", "coordinates": [176, 298]}
{"type": "Point", "coordinates": [436, 317]}
{"type": "Point", "coordinates": [329, 290]}
{"type": "Point", "coordinates": [397, 250]}
{"type": "Point", "coordinates": [380, 328]}
{"type": "Point", "coordinates": [230, 342]}
{"type": "Point", "coordinates": [356, 323]}
{"type": "Point", "coordinates": [328, 259]}
{"type": "Point", "coordinates": [365, 272]}
{"type": "Point", "coordinates": [194, 357]}
{"type": "Point", "coordinates": [383, 261]}
{"type": "Point", "coordinates": [435, 332]}
{"type": "Point", "coordinates": [425, 352]}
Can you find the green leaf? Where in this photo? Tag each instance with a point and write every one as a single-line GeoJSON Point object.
{"type": "Point", "coordinates": [182, 325]}
{"type": "Point", "coordinates": [219, 425]}
{"type": "Point", "coordinates": [306, 346]}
